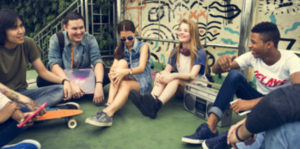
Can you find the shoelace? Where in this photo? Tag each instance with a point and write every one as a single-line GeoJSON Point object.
{"type": "Point", "coordinates": [99, 114]}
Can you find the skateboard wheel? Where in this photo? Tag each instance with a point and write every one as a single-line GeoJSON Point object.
{"type": "Point", "coordinates": [72, 123]}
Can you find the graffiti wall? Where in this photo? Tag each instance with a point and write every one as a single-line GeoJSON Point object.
{"type": "Point", "coordinates": [218, 21]}
{"type": "Point", "coordinates": [284, 13]}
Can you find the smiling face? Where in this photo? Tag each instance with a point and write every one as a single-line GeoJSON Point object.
{"type": "Point", "coordinates": [258, 47]}
{"type": "Point", "coordinates": [75, 30]}
{"type": "Point", "coordinates": [15, 35]}
{"type": "Point", "coordinates": [127, 42]}
{"type": "Point", "coordinates": [183, 34]}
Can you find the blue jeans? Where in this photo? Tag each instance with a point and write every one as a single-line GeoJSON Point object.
{"type": "Point", "coordinates": [286, 136]}
{"type": "Point", "coordinates": [234, 83]}
{"type": "Point", "coordinates": [52, 94]}
{"type": "Point", "coordinates": [258, 144]}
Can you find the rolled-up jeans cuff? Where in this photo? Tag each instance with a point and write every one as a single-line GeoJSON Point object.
{"type": "Point", "coordinates": [216, 111]}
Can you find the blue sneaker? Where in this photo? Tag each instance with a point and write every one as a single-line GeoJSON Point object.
{"type": "Point", "coordinates": [25, 144]}
{"type": "Point", "coordinates": [202, 133]}
{"type": "Point", "coordinates": [218, 142]}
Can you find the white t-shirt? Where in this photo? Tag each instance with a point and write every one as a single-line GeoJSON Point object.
{"type": "Point", "coordinates": [184, 65]}
{"type": "Point", "coordinates": [269, 78]}
{"type": "Point", "coordinates": [3, 100]}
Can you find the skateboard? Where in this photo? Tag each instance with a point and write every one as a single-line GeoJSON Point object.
{"type": "Point", "coordinates": [67, 114]}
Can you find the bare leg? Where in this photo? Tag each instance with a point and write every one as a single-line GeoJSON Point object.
{"type": "Point", "coordinates": [121, 96]}
{"type": "Point", "coordinates": [169, 91]}
{"type": "Point", "coordinates": [114, 89]}
{"type": "Point", "coordinates": [158, 87]}
{"type": "Point", "coordinates": [212, 122]}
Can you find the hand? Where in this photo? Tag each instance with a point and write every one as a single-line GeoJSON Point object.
{"type": "Point", "coordinates": [10, 107]}
{"type": "Point", "coordinates": [67, 90]}
{"type": "Point", "coordinates": [225, 61]}
{"type": "Point", "coordinates": [77, 91]}
{"type": "Point", "coordinates": [117, 76]}
{"type": "Point", "coordinates": [98, 94]}
{"type": "Point", "coordinates": [24, 116]}
{"type": "Point", "coordinates": [231, 137]}
{"type": "Point", "coordinates": [165, 77]}
{"type": "Point", "coordinates": [8, 110]}
{"type": "Point", "coordinates": [32, 105]}
{"type": "Point", "coordinates": [242, 105]}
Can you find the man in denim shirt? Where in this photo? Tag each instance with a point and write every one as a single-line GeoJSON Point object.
{"type": "Point", "coordinates": [80, 50]}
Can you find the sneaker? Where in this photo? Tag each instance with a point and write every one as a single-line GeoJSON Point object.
{"type": "Point", "coordinates": [151, 105]}
{"type": "Point", "coordinates": [218, 142]}
{"type": "Point", "coordinates": [136, 99]}
{"type": "Point", "coordinates": [25, 144]}
{"type": "Point", "coordinates": [202, 133]}
{"type": "Point", "coordinates": [67, 105]}
{"type": "Point", "coordinates": [101, 119]}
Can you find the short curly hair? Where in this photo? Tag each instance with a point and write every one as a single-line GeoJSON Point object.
{"type": "Point", "coordinates": [268, 32]}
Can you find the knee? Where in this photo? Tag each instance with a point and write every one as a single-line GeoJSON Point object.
{"type": "Point", "coordinates": [235, 75]}
{"type": "Point", "coordinates": [122, 64]}
{"type": "Point", "coordinates": [175, 81]}
{"type": "Point", "coordinates": [123, 84]}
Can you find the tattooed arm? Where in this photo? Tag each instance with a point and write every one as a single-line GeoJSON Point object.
{"type": "Point", "coordinates": [19, 98]}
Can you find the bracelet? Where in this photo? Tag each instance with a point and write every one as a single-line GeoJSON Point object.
{"type": "Point", "coordinates": [99, 82]}
{"type": "Point", "coordinates": [237, 135]}
{"type": "Point", "coordinates": [130, 71]}
{"type": "Point", "coordinates": [64, 80]}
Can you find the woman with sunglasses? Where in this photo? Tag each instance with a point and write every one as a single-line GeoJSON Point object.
{"type": "Point", "coordinates": [129, 71]}
{"type": "Point", "coordinates": [188, 60]}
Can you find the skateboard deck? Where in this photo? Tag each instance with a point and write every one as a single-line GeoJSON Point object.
{"type": "Point", "coordinates": [57, 114]}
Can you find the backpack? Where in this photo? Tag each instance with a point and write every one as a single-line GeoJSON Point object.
{"type": "Point", "coordinates": [61, 41]}
{"type": "Point", "coordinates": [40, 82]}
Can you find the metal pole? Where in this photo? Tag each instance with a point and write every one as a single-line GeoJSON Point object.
{"type": "Point", "coordinates": [86, 16]}
{"type": "Point", "coordinates": [246, 23]}
{"type": "Point", "coordinates": [81, 6]}
{"type": "Point", "coordinates": [119, 7]}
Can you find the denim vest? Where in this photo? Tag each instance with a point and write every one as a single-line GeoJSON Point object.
{"type": "Point", "coordinates": [132, 57]}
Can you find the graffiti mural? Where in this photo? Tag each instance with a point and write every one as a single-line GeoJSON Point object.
{"type": "Point", "coordinates": [285, 14]}
{"type": "Point", "coordinates": [218, 23]}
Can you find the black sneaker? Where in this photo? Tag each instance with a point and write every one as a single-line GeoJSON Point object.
{"type": "Point", "coordinates": [135, 97]}
{"type": "Point", "coordinates": [218, 142]}
{"type": "Point", "coordinates": [202, 133]}
{"type": "Point", "coordinates": [151, 105]}
{"type": "Point", "coordinates": [67, 105]}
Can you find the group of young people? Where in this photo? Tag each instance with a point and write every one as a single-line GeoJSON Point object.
{"type": "Point", "coordinates": [130, 77]}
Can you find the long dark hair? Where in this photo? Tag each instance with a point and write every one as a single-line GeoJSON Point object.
{"type": "Point", "coordinates": [125, 25]}
{"type": "Point", "coordinates": [8, 20]}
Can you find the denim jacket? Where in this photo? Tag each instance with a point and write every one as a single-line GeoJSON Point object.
{"type": "Point", "coordinates": [132, 57]}
{"type": "Point", "coordinates": [86, 53]}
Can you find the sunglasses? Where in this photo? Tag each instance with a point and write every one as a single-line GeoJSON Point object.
{"type": "Point", "coordinates": [128, 38]}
